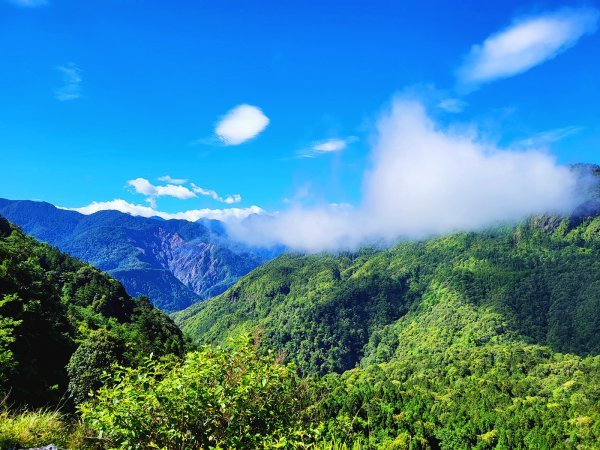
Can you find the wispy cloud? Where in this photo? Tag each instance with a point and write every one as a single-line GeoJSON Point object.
{"type": "Point", "coordinates": [452, 105]}
{"type": "Point", "coordinates": [235, 198]}
{"type": "Point", "coordinates": [71, 88]}
{"type": "Point", "coordinates": [176, 190]}
{"type": "Point", "coordinates": [548, 137]}
{"type": "Point", "coordinates": [327, 146]}
{"type": "Point", "coordinates": [225, 215]}
{"type": "Point", "coordinates": [168, 179]}
{"type": "Point", "coordinates": [143, 186]}
{"type": "Point", "coordinates": [241, 124]}
{"type": "Point", "coordinates": [29, 3]}
{"type": "Point", "coordinates": [426, 180]}
{"type": "Point", "coordinates": [526, 43]}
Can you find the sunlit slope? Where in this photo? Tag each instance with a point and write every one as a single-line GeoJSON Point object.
{"type": "Point", "coordinates": [542, 278]}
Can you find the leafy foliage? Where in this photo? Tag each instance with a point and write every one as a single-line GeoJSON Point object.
{"type": "Point", "coordinates": [96, 355]}
{"type": "Point", "coordinates": [214, 399]}
{"type": "Point", "coordinates": [461, 381]}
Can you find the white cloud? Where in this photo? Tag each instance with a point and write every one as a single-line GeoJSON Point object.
{"type": "Point", "coordinates": [168, 179]}
{"type": "Point", "coordinates": [525, 44]}
{"type": "Point", "coordinates": [236, 198]}
{"type": "Point", "coordinates": [327, 146]}
{"type": "Point", "coordinates": [225, 215]}
{"type": "Point", "coordinates": [241, 124]}
{"type": "Point", "coordinates": [331, 145]}
{"type": "Point", "coordinates": [143, 186]}
{"type": "Point", "coordinates": [71, 88]}
{"type": "Point", "coordinates": [29, 3]}
{"type": "Point", "coordinates": [425, 181]}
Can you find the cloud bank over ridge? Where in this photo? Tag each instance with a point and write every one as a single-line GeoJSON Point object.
{"type": "Point", "coordinates": [425, 180]}
{"type": "Point", "coordinates": [191, 215]}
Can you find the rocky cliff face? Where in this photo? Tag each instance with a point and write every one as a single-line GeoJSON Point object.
{"type": "Point", "coordinates": [174, 262]}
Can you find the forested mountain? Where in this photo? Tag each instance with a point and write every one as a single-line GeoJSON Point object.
{"type": "Point", "coordinates": [328, 313]}
{"type": "Point", "coordinates": [174, 262]}
{"type": "Point", "coordinates": [62, 322]}
{"type": "Point", "coordinates": [474, 340]}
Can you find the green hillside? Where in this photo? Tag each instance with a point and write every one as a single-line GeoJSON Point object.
{"type": "Point", "coordinates": [62, 322]}
{"type": "Point", "coordinates": [473, 340]}
{"type": "Point", "coordinates": [327, 313]}
{"type": "Point", "coordinates": [459, 378]}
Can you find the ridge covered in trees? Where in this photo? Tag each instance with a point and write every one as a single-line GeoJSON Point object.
{"type": "Point", "coordinates": [328, 313]}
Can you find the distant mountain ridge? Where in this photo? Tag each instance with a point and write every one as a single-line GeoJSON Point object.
{"type": "Point", "coordinates": [175, 263]}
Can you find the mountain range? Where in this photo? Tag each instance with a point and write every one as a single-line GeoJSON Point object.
{"type": "Point", "coordinates": [175, 263]}
{"type": "Point", "coordinates": [485, 339]}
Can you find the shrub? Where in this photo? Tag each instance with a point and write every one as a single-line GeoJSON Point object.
{"type": "Point", "coordinates": [91, 359]}
{"type": "Point", "coordinates": [214, 399]}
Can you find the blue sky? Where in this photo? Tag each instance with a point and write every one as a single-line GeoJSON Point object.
{"type": "Point", "coordinates": [268, 104]}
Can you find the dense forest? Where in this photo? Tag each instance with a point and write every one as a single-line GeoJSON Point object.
{"type": "Point", "coordinates": [482, 340]}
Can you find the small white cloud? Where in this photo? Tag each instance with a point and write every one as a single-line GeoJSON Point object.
{"type": "Point", "coordinates": [236, 198]}
{"type": "Point", "coordinates": [71, 88]}
{"type": "Point", "coordinates": [142, 186]}
{"type": "Point", "coordinates": [452, 105]}
{"type": "Point", "coordinates": [241, 124]}
{"type": "Point", "coordinates": [168, 179]}
{"type": "Point", "coordinates": [525, 44]}
{"type": "Point", "coordinates": [327, 146]}
{"type": "Point", "coordinates": [29, 3]}
{"type": "Point", "coordinates": [331, 145]}
{"type": "Point", "coordinates": [225, 215]}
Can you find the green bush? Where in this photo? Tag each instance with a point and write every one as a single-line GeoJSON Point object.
{"type": "Point", "coordinates": [91, 359]}
{"type": "Point", "coordinates": [214, 399]}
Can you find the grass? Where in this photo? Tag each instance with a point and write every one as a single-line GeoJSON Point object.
{"type": "Point", "coordinates": [25, 429]}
